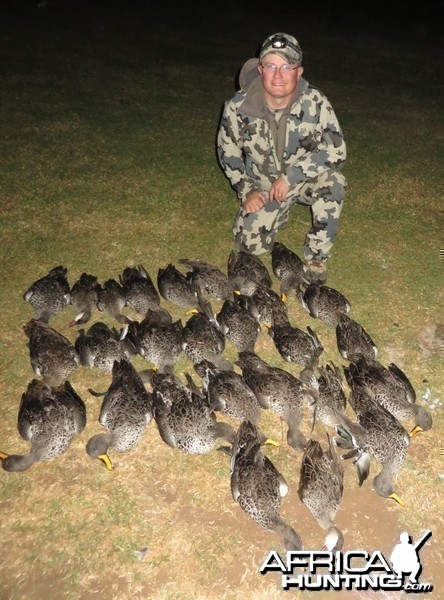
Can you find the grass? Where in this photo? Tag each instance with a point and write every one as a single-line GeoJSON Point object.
{"type": "Point", "coordinates": [108, 116]}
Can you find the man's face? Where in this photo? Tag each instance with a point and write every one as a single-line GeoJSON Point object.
{"type": "Point", "coordinates": [281, 81]}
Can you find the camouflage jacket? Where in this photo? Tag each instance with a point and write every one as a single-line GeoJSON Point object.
{"type": "Point", "coordinates": [254, 149]}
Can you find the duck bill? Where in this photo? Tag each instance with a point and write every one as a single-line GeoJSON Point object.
{"type": "Point", "coordinates": [415, 431]}
{"type": "Point", "coordinates": [106, 461]}
{"type": "Point", "coordinates": [3, 455]}
{"type": "Point", "coordinates": [397, 499]}
{"type": "Point", "coordinates": [270, 442]}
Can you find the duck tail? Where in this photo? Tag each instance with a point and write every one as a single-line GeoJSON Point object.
{"type": "Point", "coordinates": [129, 338]}
{"type": "Point", "coordinates": [404, 381]}
{"type": "Point", "coordinates": [95, 393]}
{"type": "Point", "coordinates": [206, 308]}
{"type": "Point", "coordinates": [122, 319]}
{"type": "Point", "coordinates": [354, 373]}
{"type": "Point", "coordinates": [315, 338]}
{"type": "Point", "coordinates": [192, 386]}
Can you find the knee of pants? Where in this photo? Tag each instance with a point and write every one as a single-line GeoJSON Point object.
{"type": "Point", "coordinates": [336, 188]}
{"type": "Point", "coordinates": [255, 232]}
{"type": "Point", "coordinates": [328, 187]}
{"type": "Point", "coordinates": [255, 243]}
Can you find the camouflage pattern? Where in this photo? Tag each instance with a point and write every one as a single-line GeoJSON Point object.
{"type": "Point", "coordinates": [283, 44]}
{"type": "Point", "coordinates": [305, 146]}
{"type": "Point", "coordinates": [256, 232]}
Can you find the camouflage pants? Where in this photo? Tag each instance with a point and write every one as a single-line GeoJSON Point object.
{"type": "Point", "coordinates": [255, 232]}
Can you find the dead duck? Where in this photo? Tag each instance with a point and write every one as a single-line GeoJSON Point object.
{"type": "Point", "coordinates": [229, 393]}
{"type": "Point", "coordinates": [321, 485]}
{"type": "Point", "coordinates": [139, 290]}
{"type": "Point", "coordinates": [245, 272]}
{"type": "Point", "coordinates": [258, 487]}
{"type": "Point", "coordinates": [330, 397]}
{"type": "Point", "coordinates": [125, 413]}
{"type": "Point", "coordinates": [265, 305]}
{"type": "Point", "coordinates": [238, 325]}
{"type": "Point", "coordinates": [376, 434]}
{"type": "Point", "coordinates": [50, 418]}
{"type": "Point", "coordinates": [157, 339]}
{"type": "Point", "coordinates": [83, 297]}
{"type": "Point", "coordinates": [100, 346]}
{"type": "Point", "coordinates": [185, 419]}
{"type": "Point", "coordinates": [353, 341]}
{"type": "Point", "coordinates": [202, 338]}
{"type": "Point", "coordinates": [52, 355]}
{"type": "Point", "coordinates": [111, 300]}
{"type": "Point", "coordinates": [49, 295]}
{"type": "Point", "coordinates": [288, 268]}
{"type": "Point", "coordinates": [208, 278]}
{"type": "Point", "coordinates": [279, 391]}
{"type": "Point", "coordinates": [293, 344]}
{"type": "Point", "coordinates": [176, 288]}
{"type": "Point", "coordinates": [386, 389]}
{"type": "Point", "coordinates": [323, 303]}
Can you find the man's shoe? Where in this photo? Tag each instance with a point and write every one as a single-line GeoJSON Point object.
{"type": "Point", "coordinates": [316, 271]}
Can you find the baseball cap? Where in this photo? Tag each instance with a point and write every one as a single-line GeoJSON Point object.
{"type": "Point", "coordinates": [283, 44]}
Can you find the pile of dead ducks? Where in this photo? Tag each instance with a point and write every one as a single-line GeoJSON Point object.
{"type": "Point", "coordinates": [190, 417]}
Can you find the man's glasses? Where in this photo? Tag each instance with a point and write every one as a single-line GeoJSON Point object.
{"type": "Point", "coordinates": [271, 69]}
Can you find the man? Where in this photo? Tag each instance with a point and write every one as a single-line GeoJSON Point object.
{"type": "Point", "coordinates": [279, 143]}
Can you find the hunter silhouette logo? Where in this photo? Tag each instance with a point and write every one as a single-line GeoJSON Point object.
{"type": "Point", "coordinates": [405, 559]}
{"type": "Point", "coordinates": [355, 569]}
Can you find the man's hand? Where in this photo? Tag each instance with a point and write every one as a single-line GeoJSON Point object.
{"type": "Point", "coordinates": [254, 201]}
{"type": "Point", "coordinates": [279, 190]}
